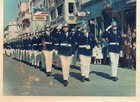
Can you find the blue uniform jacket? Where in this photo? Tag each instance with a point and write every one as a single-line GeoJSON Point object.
{"type": "Point", "coordinates": [83, 40]}
{"type": "Point", "coordinates": [22, 44]}
{"type": "Point", "coordinates": [66, 44]}
{"type": "Point", "coordinates": [29, 44]}
{"type": "Point", "coordinates": [56, 35]}
{"type": "Point", "coordinates": [40, 42]}
{"type": "Point", "coordinates": [76, 37]}
{"type": "Point", "coordinates": [115, 41]}
{"type": "Point", "coordinates": [35, 43]}
{"type": "Point", "coordinates": [47, 42]}
{"type": "Point", "coordinates": [25, 44]}
{"type": "Point", "coordinates": [19, 44]}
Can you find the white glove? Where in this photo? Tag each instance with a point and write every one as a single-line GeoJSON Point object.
{"type": "Point", "coordinates": [108, 28]}
{"type": "Point", "coordinates": [56, 52]}
{"type": "Point", "coordinates": [87, 47]}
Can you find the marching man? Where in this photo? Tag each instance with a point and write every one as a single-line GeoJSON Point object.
{"type": "Point", "coordinates": [115, 41]}
{"type": "Point", "coordinates": [86, 43]}
{"type": "Point", "coordinates": [56, 33]}
{"type": "Point", "coordinates": [28, 49]}
{"type": "Point", "coordinates": [47, 48]}
{"type": "Point", "coordinates": [66, 51]}
{"type": "Point", "coordinates": [35, 46]}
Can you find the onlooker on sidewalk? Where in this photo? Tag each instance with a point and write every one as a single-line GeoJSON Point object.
{"type": "Point", "coordinates": [94, 54]}
{"type": "Point", "coordinates": [104, 51]}
{"type": "Point", "coordinates": [134, 55]}
{"type": "Point", "coordinates": [127, 51]}
{"type": "Point", "coordinates": [97, 54]}
{"type": "Point", "coordinates": [134, 36]}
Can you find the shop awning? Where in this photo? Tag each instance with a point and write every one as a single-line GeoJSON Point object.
{"type": "Point", "coordinates": [130, 1]}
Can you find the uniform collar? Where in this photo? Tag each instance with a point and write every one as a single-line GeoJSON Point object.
{"type": "Point", "coordinates": [114, 32]}
{"type": "Point", "coordinates": [86, 35]}
{"type": "Point", "coordinates": [67, 34]}
{"type": "Point", "coordinates": [48, 33]}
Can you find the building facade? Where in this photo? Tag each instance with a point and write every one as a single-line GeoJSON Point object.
{"type": "Point", "coordinates": [24, 17]}
{"type": "Point", "coordinates": [94, 20]}
{"type": "Point", "coordinates": [41, 17]}
{"type": "Point", "coordinates": [124, 12]}
{"type": "Point", "coordinates": [62, 11]}
{"type": "Point", "coordinates": [34, 15]}
{"type": "Point", "coordinates": [103, 12]}
{"type": "Point", "coordinates": [11, 31]}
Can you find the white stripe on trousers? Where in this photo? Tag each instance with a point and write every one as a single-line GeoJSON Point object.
{"type": "Point", "coordinates": [34, 57]}
{"type": "Point", "coordinates": [20, 54]}
{"type": "Point", "coordinates": [85, 65]}
{"type": "Point", "coordinates": [23, 55]}
{"type": "Point", "coordinates": [65, 62]}
{"type": "Point", "coordinates": [114, 58]}
{"type": "Point", "coordinates": [48, 60]}
{"type": "Point", "coordinates": [30, 56]}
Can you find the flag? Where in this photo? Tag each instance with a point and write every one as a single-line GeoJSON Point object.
{"type": "Point", "coordinates": [40, 11]}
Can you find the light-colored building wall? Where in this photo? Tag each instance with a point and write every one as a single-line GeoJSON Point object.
{"type": "Point", "coordinates": [11, 31]}
{"type": "Point", "coordinates": [67, 13]}
{"type": "Point", "coordinates": [24, 17]}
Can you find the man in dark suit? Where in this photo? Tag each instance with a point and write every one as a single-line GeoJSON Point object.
{"type": "Point", "coordinates": [115, 43]}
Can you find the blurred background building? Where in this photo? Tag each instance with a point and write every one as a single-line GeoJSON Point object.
{"type": "Point", "coordinates": [97, 14]}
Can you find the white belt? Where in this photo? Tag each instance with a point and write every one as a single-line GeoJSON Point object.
{"type": "Point", "coordinates": [65, 44]}
{"type": "Point", "coordinates": [48, 42]}
{"type": "Point", "coordinates": [34, 44]}
{"type": "Point", "coordinates": [82, 46]}
{"type": "Point", "coordinates": [114, 43]}
{"type": "Point", "coordinates": [29, 44]}
{"type": "Point", "coordinates": [40, 44]}
{"type": "Point", "coordinates": [56, 44]}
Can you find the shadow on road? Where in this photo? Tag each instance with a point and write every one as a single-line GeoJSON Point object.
{"type": "Point", "coordinates": [76, 75]}
{"type": "Point", "coordinates": [58, 77]}
{"type": "Point", "coordinates": [75, 67]}
{"type": "Point", "coordinates": [57, 68]}
{"type": "Point", "coordinates": [101, 74]}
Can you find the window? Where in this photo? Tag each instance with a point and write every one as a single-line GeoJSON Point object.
{"type": "Point", "coordinates": [41, 6]}
{"type": "Point", "coordinates": [60, 10]}
{"type": "Point", "coordinates": [44, 3]}
{"type": "Point", "coordinates": [53, 14]}
{"type": "Point", "coordinates": [71, 7]}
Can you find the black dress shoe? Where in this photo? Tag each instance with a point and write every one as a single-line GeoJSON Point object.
{"type": "Point", "coordinates": [87, 79]}
{"type": "Point", "coordinates": [83, 79]}
{"type": "Point", "coordinates": [48, 73]}
{"type": "Point", "coordinates": [65, 83]}
{"type": "Point", "coordinates": [35, 66]}
{"type": "Point", "coordinates": [114, 78]}
{"type": "Point", "coordinates": [30, 65]}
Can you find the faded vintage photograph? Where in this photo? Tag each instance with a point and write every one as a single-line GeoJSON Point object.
{"type": "Point", "coordinates": [69, 48]}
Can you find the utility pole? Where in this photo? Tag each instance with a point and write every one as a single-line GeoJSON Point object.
{"type": "Point", "coordinates": [32, 21]}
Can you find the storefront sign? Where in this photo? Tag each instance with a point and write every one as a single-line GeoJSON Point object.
{"type": "Point", "coordinates": [39, 18]}
{"type": "Point", "coordinates": [40, 11]}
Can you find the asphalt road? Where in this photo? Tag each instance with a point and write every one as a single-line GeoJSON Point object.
{"type": "Point", "coordinates": [21, 80]}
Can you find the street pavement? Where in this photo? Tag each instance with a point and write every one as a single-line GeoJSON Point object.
{"type": "Point", "coordinates": [20, 79]}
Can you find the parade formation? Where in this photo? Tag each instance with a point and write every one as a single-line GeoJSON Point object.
{"type": "Point", "coordinates": [63, 34]}
{"type": "Point", "coordinates": [58, 46]}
